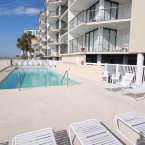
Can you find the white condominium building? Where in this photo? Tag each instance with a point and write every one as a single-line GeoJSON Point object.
{"type": "Point", "coordinates": [95, 31]}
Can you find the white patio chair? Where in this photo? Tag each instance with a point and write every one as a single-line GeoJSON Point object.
{"type": "Point", "coordinates": [92, 132]}
{"type": "Point", "coordinates": [105, 75]}
{"type": "Point", "coordinates": [19, 63]}
{"type": "Point", "coordinates": [135, 122]}
{"type": "Point", "coordinates": [35, 63]}
{"type": "Point", "coordinates": [38, 137]}
{"type": "Point", "coordinates": [25, 63]}
{"type": "Point", "coordinates": [30, 63]}
{"type": "Point", "coordinates": [135, 91]}
{"type": "Point", "coordinates": [115, 78]}
{"type": "Point", "coordinates": [125, 83]}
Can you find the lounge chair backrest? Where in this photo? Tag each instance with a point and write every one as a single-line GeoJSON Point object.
{"type": "Point", "coordinates": [135, 122]}
{"type": "Point", "coordinates": [127, 79]}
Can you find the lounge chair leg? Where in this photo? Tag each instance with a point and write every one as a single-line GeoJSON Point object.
{"type": "Point", "coordinates": [69, 133]}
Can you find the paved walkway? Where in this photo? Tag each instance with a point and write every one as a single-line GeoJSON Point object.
{"type": "Point", "coordinates": [57, 107]}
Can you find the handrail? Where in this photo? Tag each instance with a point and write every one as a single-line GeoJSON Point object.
{"type": "Point", "coordinates": [19, 81]}
{"type": "Point", "coordinates": [66, 73]}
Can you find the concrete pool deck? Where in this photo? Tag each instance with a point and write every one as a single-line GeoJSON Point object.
{"type": "Point", "coordinates": [57, 107]}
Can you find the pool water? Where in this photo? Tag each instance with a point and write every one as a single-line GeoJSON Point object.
{"type": "Point", "coordinates": [33, 77]}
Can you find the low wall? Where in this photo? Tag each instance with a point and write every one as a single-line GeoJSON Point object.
{"type": "Point", "coordinates": [4, 63]}
{"type": "Point", "coordinates": [88, 71]}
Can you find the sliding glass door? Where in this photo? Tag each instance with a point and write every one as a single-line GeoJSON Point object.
{"type": "Point", "coordinates": [91, 41]}
{"type": "Point", "coordinates": [111, 10]}
{"type": "Point", "coordinates": [93, 12]}
{"type": "Point", "coordinates": [109, 39]}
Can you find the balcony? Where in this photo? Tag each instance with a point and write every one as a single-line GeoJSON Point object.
{"type": "Point", "coordinates": [51, 42]}
{"type": "Point", "coordinates": [64, 49]}
{"type": "Point", "coordinates": [43, 27]}
{"type": "Point", "coordinates": [100, 43]}
{"type": "Point", "coordinates": [53, 4]}
{"type": "Point", "coordinates": [64, 29]}
{"type": "Point", "coordinates": [79, 5]}
{"type": "Point", "coordinates": [106, 16]}
{"type": "Point", "coordinates": [42, 16]}
{"type": "Point", "coordinates": [64, 8]}
{"type": "Point", "coordinates": [53, 29]}
{"type": "Point", "coordinates": [53, 16]}
{"type": "Point", "coordinates": [71, 2]}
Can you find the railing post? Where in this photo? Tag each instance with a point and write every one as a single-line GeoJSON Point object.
{"type": "Point", "coordinates": [139, 73]}
{"type": "Point", "coordinates": [117, 69]}
{"type": "Point", "coordinates": [67, 78]}
{"type": "Point", "coordinates": [19, 80]}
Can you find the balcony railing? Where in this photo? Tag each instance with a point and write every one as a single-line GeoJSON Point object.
{"type": "Point", "coordinates": [53, 13]}
{"type": "Point", "coordinates": [50, 40]}
{"type": "Point", "coordinates": [53, 1]}
{"type": "Point", "coordinates": [43, 26]}
{"type": "Point", "coordinates": [43, 33]}
{"type": "Point", "coordinates": [64, 49]}
{"type": "Point", "coordinates": [71, 2]}
{"type": "Point", "coordinates": [64, 29]}
{"type": "Point", "coordinates": [100, 43]}
{"type": "Point", "coordinates": [53, 27]}
{"type": "Point", "coordinates": [106, 14]}
{"type": "Point", "coordinates": [64, 8]}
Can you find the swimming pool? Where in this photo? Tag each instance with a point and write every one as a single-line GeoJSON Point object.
{"type": "Point", "coordinates": [33, 77]}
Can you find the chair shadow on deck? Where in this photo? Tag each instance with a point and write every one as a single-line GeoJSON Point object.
{"type": "Point", "coordinates": [141, 140]}
{"type": "Point", "coordinates": [113, 133]}
{"type": "Point", "coordinates": [4, 143]}
{"type": "Point", "coordinates": [62, 137]}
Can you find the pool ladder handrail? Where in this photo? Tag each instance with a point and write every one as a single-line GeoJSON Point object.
{"type": "Point", "coordinates": [66, 73]}
{"type": "Point", "coordinates": [19, 80]}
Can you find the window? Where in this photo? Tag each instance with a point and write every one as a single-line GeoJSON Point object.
{"type": "Point", "coordinates": [111, 10]}
{"type": "Point", "coordinates": [109, 39]}
{"type": "Point", "coordinates": [92, 12]}
{"type": "Point", "coordinates": [92, 40]}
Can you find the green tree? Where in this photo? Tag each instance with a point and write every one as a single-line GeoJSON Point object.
{"type": "Point", "coordinates": [24, 43]}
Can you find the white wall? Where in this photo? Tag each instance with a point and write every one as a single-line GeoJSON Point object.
{"type": "Point", "coordinates": [4, 64]}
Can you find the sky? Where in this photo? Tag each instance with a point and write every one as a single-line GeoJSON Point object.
{"type": "Point", "coordinates": [15, 17]}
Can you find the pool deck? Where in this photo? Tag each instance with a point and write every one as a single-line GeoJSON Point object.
{"type": "Point", "coordinates": [57, 107]}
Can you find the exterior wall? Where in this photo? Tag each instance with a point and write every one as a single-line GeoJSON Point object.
{"type": "Point", "coordinates": [4, 64]}
{"type": "Point", "coordinates": [88, 71]}
{"type": "Point", "coordinates": [75, 59]}
{"type": "Point", "coordinates": [137, 38]}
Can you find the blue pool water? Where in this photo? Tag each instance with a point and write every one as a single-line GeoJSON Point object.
{"type": "Point", "coordinates": [33, 77]}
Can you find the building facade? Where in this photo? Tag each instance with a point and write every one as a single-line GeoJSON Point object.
{"type": "Point", "coordinates": [94, 31]}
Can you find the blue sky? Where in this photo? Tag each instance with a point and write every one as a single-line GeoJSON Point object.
{"type": "Point", "coordinates": [15, 17]}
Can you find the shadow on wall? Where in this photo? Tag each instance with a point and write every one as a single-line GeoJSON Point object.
{"type": "Point", "coordinates": [4, 143]}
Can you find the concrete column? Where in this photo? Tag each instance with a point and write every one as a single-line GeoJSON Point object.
{"type": "Point", "coordinates": [101, 11]}
{"type": "Point", "coordinates": [99, 59]}
{"type": "Point", "coordinates": [139, 73]}
{"type": "Point", "coordinates": [100, 39]}
{"type": "Point", "coordinates": [117, 69]}
{"type": "Point", "coordinates": [125, 59]}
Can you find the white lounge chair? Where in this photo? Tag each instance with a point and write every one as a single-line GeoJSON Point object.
{"type": "Point", "coordinates": [125, 83]}
{"type": "Point", "coordinates": [92, 132]}
{"type": "Point", "coordinates": [38, 137]}
{"type": "Point", "coordinates": [135, 122]}
{"type": "Point", "coordinates": [136, 91]}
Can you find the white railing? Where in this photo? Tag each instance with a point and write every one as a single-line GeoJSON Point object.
{"type": "Point", "coordinates": [4, 64]}
{"type": "Point", "coordinates": [122, 69]}
{"type": "Point", "coordinates": [34, 63]}
{"type": "Point", "coordinates": [106, 14]}
{"type": "Point", "coordinates": [101, 43]}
